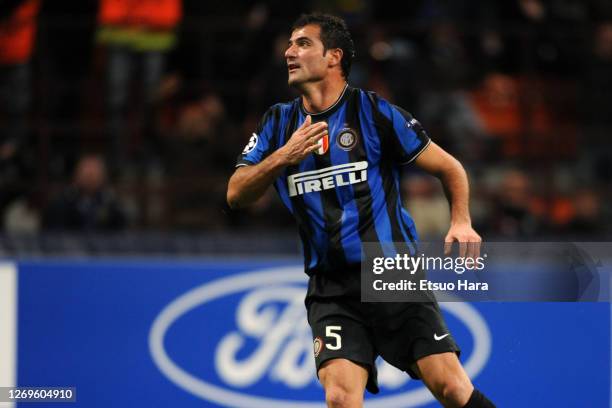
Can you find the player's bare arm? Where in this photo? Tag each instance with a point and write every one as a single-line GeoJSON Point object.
{"type": "Point", "coordinates": [249, 183]}
{"type": "Point", "coordinates": [451, 173]}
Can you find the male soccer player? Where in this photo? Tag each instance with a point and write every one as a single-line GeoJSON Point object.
{"type": "Point", "coordinates": [334, 157]}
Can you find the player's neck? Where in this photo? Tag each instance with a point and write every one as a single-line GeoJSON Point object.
{"type": "Point", "coordinates": [321, 96]}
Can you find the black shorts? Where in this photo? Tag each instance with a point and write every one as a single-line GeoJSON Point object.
{"type": "Point", "coordinates": [401, 333]}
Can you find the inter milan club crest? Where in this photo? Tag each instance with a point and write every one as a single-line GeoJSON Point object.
{"type": "Point", "coordinates": [347, 139]}
{"type": "Point", "coordinates": [323, 145]}
{"type": "Point", "coordinates": [318, 346]}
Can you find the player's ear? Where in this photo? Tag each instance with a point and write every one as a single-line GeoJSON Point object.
{"type": "Point", "coordinates": [335, 56]}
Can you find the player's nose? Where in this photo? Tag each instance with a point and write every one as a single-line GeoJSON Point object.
{"type": "Point", "coordinates": [290, 52]}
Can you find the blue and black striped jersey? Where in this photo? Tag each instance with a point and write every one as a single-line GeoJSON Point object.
{"type": "Point", "coordinates": [347, 192]}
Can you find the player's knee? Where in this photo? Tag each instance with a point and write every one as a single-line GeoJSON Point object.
{"type": "Point", "coordinates": [337, 396]}
{"type": "Point", "coordinates": [454, 392]}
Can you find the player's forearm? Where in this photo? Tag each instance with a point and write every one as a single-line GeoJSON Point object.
{"type": "Point", "coordinates": [456, 187]}
{"type": "Point", "coordinates": [249, 183]}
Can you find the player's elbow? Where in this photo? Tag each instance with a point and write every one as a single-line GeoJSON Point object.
{"type": "Point", "coordinates": [233, 197]}
{"type": "Point", "coordinates": [233, 194]}
{"type": "Point", "coordinates": [450, 168]}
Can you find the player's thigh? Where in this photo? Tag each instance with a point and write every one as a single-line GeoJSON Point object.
{"type": "Point", "coordinates": [344, 375]}
{"type": "Point", "coordinates": [410, 333]}
{"type": "Point", "coordinates": [443, 374]}
{"type": "Point", "coordinates": [341, 336]}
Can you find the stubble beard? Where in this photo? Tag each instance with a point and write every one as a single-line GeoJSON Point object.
{"type": "Point", "coordinates": [300, 84]}
{"type": "Point", "coordinates": [296, 83]}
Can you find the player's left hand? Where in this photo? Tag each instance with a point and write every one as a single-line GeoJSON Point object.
{"type": "Point", "coordinates": [469, 240]}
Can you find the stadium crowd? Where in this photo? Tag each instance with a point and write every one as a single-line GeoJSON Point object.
{"type": "Point", "coordinates": [128, 115]}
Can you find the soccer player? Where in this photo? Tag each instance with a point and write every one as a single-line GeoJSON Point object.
{"type": "Point", "coordinates": [334, 157]}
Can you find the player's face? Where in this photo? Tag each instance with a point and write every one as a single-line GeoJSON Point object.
{"type": "Point", "coordinates": [306, 59]}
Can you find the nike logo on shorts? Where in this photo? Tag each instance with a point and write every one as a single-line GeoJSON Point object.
{"type": "Point", "coordinates": [438, 338]}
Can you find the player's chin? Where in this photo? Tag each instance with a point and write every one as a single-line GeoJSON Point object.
{"type": "Point", "coordinates": [295, 80]}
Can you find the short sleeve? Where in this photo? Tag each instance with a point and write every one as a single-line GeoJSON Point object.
{"type": "Point", "coordinates": [261, 143]}
{"type": "Point", "coordinates": [408, 139]}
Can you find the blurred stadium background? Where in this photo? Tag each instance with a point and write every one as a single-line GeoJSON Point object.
{"type": "Point", "coordinates": [120, 121]}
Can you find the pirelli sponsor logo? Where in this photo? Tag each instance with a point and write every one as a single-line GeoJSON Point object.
{"type": "Point", "coordinates": [327, 178]}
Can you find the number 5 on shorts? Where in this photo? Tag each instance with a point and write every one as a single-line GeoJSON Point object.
{"type": "Point", "coordinates": [329, 332]}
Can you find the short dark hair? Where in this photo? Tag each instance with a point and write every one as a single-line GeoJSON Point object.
{"type": "Point", "coordinates": [334, 34]}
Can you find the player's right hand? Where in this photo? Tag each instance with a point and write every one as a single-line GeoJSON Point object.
{"type": "Point", "coordinates": [304, 141]}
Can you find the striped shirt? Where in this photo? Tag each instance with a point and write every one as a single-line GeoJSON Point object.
{"type": "Point", "coordinates": [347, 192]}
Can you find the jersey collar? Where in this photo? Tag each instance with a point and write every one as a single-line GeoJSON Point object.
{"type": "Point", "coordinates": [327, 112]}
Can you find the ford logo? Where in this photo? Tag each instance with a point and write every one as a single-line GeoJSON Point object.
{"type": "Point", "coordinates": [271, 319]}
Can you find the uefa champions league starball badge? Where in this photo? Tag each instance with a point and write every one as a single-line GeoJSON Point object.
{"type": "Point", "coordinates": [251, 144]}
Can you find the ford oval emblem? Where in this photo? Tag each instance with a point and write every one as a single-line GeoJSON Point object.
{"type": "Point", "coordinates": [286, 286]}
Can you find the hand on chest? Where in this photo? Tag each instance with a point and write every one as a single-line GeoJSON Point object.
{"type": "Point", "coordinates": [340, 161]}
{"type": "Point", "coordinates": [341, 138]}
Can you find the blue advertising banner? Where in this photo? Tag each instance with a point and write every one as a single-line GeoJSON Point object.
{"type": "Point", "coordinates": [210, 333]}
